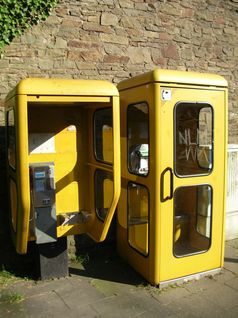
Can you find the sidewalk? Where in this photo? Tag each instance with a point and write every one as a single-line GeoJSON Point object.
{"type": "Point", "coordinates": [107, 287]}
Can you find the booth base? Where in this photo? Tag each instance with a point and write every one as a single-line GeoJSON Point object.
{"type": "Point", "coordinates": [53, 259]}
{"type": "Point", "coordinates": [185, 279]}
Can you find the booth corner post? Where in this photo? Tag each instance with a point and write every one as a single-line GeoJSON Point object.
{"type": "Point", "coordinates": [171, 212]}
{"type": "Point", "coordinates": [63, 164]}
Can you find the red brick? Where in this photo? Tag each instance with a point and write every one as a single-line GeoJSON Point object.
{"type": "Point", "coordinates": [82, 44]}
{"type": "Point", "coordinates": [115, 59]}
{"type": "Point", "coordinates": [74, 55]}
{"type": "Point", "coordinates": [171, 51]}
{"type": "Point", "coordinates": [91, 55]}
{"type": "Point", "coordinates": [187, 13]}
{"type": "Point", "coordinates": [164, 36]}
{"type": "Point", "coordinates": [219, 20]}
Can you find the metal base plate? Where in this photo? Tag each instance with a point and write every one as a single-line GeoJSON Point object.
{"type": "Point", "coordinates": [185, 279]}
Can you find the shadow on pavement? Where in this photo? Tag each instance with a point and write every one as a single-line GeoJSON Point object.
{"type": "Point", "coordinates": [19, 265]}
{"type": "Point", "coordinates": [103, 262]}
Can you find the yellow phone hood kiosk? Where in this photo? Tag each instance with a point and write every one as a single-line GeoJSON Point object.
{"type": "Point", "coordinates": [63, 140]}
{"type": "Point", "coordinates": [171, 211]}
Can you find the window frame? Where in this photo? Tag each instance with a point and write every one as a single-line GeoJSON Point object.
{"type": "Point", "coordinates": [127, 135]}
{"type": "Point", "coordinates": [105, 173]}
{"type": "Point", "coordinates": [94, 136]}
{"type": "Point", "coordinates": [211, 189]}
{"type": "Point", "coordinates": [206, 104]}
{"type": "Point", "coordinates": [196, 221]}
{"type": "Point", "coordinates": [148, 235]}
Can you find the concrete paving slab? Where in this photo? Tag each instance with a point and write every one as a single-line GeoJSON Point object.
{"type": "Point", "coordinates": [45, 305]}
{"type": "Point", "coordinates": [232, 313]}
{"type": "Point", "coordinates": [164, 312]}
{"type": "Point", "coordinates": [222, 277]}
{"type": "Point", "coordinates": [222, 296]}
{"type": "Point", "coordinates": [197, 306]}
{"type": "Point", "coordinates": [111, 288]}
{"type": "Point", "coordinates": [197, 287]}
{"type": "Point", "coordinates": [16, 310]}
{"type": "Point", "coordinates": [169, 295]}
{"type": "Point", "coordinates": [233, 283]}
{"type": "Point", "coordinates": [127, 306]}
{"type": "Point", "coordinates": [83, 296]}
{"type": "Point", "coordinates": [29, 288]}
{"type": "Point", "coordinates": [85, 312]}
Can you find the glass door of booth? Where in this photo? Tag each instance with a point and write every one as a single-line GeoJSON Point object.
{"type": "Point", "coordinates": [192, 180]}
{"type": "Point", "coordinates": [104, 168]}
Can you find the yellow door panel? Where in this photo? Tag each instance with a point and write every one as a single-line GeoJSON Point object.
{"type": "Point", "coordinates": [104, 170]}
{"type": "Point", "coordinates": [192, 219]}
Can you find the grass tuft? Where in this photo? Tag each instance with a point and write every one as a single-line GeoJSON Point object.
{"type": "Point", "coordinates": [82, 259]}
{"type": "Point", "coordinates": [6, 278]}
{"type": "Point", "coordinates": [10, 297]}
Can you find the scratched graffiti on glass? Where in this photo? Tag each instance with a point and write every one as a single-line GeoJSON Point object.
{"type": "Point", "coordinates": [194, 139]}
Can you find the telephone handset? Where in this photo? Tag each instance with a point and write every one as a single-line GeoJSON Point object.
{"type": "Point", "coordinates": [138, 159]}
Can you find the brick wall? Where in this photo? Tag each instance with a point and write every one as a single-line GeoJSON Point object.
{"type": "Point", "coordinates": [115, 39]}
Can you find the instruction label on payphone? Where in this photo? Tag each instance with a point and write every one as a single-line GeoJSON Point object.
{"type": "Point", "coordinates": [43, 201]}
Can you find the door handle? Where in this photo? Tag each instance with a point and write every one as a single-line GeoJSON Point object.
{"type": "Point", "coordinates": [170, 196]}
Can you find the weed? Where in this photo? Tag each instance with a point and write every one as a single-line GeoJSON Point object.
{"type": "Point", "coordinates": [6, 277]}
{"type": "Point", "coordinates": [82, 259]}
{"type": "Point", "coordinates": [10, 297]}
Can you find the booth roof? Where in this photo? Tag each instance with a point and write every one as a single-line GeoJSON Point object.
{"type": "Point", "coordinates": [174, 77]}
{"type": "Point", "coordinates": [63, 87]}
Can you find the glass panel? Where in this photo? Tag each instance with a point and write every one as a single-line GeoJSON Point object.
{"type": "Point", "coordinates": [138, 210]}
{"type": "Point", "coordinates": [11, 138]}
{"type": "Point", "coordinates": [138, 138]}
{"type": "Point", "coordinates": [103, 193]}
{"type": "Point", "coordinates": [103, 141]}
{"type": "Point", "coordinates": [204, 154]}
{"type": "Point", "coordinates": [194, 139]}
{"type": "Point", "coordinates": [192, 219]}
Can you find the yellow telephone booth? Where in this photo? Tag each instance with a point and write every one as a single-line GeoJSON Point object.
{"type": "Point", "coordinates": [63, 140]}
{"type": "Point", "coordinates": [172, 205]}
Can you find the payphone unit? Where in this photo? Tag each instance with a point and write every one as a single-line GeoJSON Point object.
{"type": "Point", "coordinates": [43, 213]}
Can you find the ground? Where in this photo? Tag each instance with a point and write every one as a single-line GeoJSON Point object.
{"type": "Point", "coordinates": [102, 285]}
